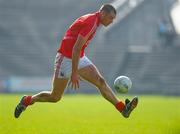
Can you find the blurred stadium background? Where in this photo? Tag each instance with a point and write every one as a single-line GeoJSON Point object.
{"type": "Point", "coordinates": [143, 43]}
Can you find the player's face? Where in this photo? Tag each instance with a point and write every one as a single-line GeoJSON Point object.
{"type": "Point", "coordinates": [107, 18]}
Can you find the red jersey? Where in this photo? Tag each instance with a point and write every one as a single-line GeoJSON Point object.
{"type": "Point", "coordinates": [86, 26]}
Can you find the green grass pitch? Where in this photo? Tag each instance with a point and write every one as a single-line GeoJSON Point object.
{"type": "Point", "coordinates": [91, 114]}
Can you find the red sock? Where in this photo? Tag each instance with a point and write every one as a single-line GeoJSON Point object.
{"type": "Point", "coordinates": [120, 106]}
{"type": "Point", "coordinates": [27, 100]}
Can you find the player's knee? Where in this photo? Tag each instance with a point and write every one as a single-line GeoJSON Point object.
{"type": "Point", "coordinates": [55, 99]}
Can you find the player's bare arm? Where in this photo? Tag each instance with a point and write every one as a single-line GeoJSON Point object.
{"type": "Point", "coordinates": [75, 60]}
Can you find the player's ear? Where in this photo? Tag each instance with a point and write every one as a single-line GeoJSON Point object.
{"type": "Point", "coordinates": [103, 14]}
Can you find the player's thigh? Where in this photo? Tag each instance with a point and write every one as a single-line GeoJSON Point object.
{"type": "Point", "coordinates": [59, 85]}
{"type": "Point", "coordinates": [61, 78]}
{"type": "Point", "coordinates": [91, 74]}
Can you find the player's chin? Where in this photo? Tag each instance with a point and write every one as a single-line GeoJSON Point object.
{"type": "Point", "coordinates": [107, 24]}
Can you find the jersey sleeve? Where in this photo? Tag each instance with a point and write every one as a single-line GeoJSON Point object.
{"type": "Point", "coordinates": [88, 28]}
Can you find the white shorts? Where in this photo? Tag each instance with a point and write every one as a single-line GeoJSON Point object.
{"type": "Point", "coordinates": [63, 65]}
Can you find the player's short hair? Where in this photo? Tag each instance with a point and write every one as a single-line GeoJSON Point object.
{"type": "Point", "coordinates": [107, 8]}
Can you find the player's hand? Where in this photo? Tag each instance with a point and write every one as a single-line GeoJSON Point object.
{"type": "Point", "coordinates": [74, 81]}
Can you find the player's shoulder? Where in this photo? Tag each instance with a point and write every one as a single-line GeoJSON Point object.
{"type": "Point", "coordinates": [88, 17]}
